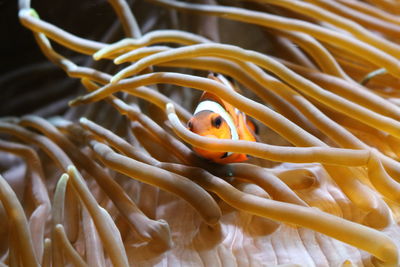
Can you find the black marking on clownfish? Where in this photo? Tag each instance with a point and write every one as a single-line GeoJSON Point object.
{"type": "Point", "coordinates": [225, 155]}
{"type": "Point", "coordinates": [190, 125]}
{"type": "Point", "coordinates": [229, 78]}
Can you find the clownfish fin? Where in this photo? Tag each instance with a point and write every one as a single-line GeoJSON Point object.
{"type": "Point", "coordinates": [227, 81]}
{"type": "Point", "coordinates": [245, 132]}
{"type": "Point", "coordinates": [222, 79]}
{"type": "Point", "coordinates": [252, 125]}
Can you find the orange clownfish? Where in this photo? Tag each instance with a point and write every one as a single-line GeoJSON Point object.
{"type": "Point", "coordinates": [216, 118]}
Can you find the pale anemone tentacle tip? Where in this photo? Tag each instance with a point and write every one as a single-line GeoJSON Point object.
{"type": "Point", "coordinates": [170, 108]}
{"type": "Point", "coordinates": [100, 54]}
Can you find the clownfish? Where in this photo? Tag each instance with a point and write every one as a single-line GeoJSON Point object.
{"type": "Point", "coordinates": [216, 118]}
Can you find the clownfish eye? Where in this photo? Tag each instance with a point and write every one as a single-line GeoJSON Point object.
{"type": "Point", "coordinates": [217, 122]}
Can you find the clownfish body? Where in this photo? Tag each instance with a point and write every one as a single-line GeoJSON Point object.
{"type": "Point", "coordinates": [216, 118]}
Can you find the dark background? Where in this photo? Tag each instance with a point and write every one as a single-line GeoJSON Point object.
{"type": "Point", "coordinates": [28, 81]}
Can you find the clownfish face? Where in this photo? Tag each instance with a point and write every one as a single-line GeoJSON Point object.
{"type": "Point", "coordinates": [215, 118]}
{"type": "Point", "coordinates": [212, 125]}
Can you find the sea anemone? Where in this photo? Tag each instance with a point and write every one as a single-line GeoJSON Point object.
{"type": "Point", "coordinates": [108, 177]}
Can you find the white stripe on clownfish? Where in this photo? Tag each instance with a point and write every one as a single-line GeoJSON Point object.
{"type": "Point", "coordinates": [209, 105]}
{"type": "Point", "coordinates": [228, 84]}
